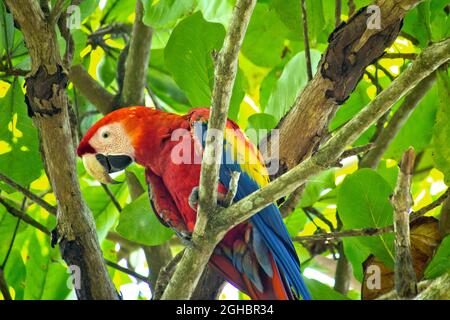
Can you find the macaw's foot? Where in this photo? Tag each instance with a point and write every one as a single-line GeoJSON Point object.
{"type": "Point", "coordinates": [193, 198]}
{"type": "Point", "coordinates": [185, 237]}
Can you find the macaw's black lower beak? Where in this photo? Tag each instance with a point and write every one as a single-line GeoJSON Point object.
{"type": "Point", "coordinates": [114, 163]}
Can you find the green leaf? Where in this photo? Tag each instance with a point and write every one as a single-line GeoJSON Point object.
{"type": "Point", "coordinates": [103, 210]}
{"type": "Point", "coordinates": [363, 202]}
{"type": "Point", "coordinates": [15, 273]}
{"type": "Point", "coordinates": [107, 70]}
{"type": "Point", "coordinates": [415, 24]}
{"type": "Point", "coordinates": [320, 291]}
{"type": "Point", "coordinates": [165, 14]}
{"type": "Point", "coordinates": [7, 226]}
{"type": "Point", "coordinates": [292, 81]}
{"type": "Point", "coordinates": [356, 253]}
{"type": "Point", "coordinates": [87, 8]}
{"type": "Point", "coordinates": [193, 70]}
{"type": "Point", "coordinates": [80, 39]}
{"type": "Point", "coordinates": [216, 10]}
{"type": "Point", "coordinates": [440, 263]}
{"type": "Point", "coordinates": [389, 174]}
{"type": "Point", "coordinates": [138, 223]}
{"type": "Point", "coordinates": [268, 84]}
{"type": "Point", "coordinates": [264, 40]}
{"type": "Point", "coordinates": [441, 134]}
{"type": "Point", "coordinates": [262, 121]}
{"type": "Point", "coordinates": [290, 13]}
{"type": "Point", "coordinates": [19, 152]}
{"type": "Point", "coordinates": [118, 11]}
{"type": "Point", "coordinates": [418, 129]}
{"type": "Point", "coordinates": [46, 277]}
{"type": "Point", "coordinates": [439, 19]}
{"type": "Point", "coordinates": [295, 222]}
{"type": "Point", "coordinates": [315, 186]}
{"type": "Point", "coordinates": [6, 30]}
{"type": "Point", "coordinates": [357, 101]}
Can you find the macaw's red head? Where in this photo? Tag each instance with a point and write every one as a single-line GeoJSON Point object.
{"type": "Point", "coordinates": [108, 146]}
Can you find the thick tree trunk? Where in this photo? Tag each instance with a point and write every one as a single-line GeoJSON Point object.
{"type": "Point", "coordinates": [48, 106]}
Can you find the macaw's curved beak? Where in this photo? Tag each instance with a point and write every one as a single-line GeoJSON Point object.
{"type": "Point", "coordinates": [100, 166]}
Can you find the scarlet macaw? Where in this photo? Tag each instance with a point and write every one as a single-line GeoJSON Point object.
{"type": "Point", "coordinates": [256, 256]}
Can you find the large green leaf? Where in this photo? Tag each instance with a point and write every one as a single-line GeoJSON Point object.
{"type": "Point", "coordinates": [264, 41]}
{"type": "Point", "coordinates": [7, 225]}
{"type": "Point", "coordinates": [316, 185]}
{"type": "Point", "coordinates": [295, 222]}
{"type": "Point", "coordinates": [356, 253]}
{"type": "Point", "coordinates": [440, 263]}
{"type": "Point", "coordinates": [188, 56]}
{"type": "Point", "coordinates": [357, 101]}
{"type": "Point", "coordinates": [138, 223]}
{"type": "Point", "coordinates": [441, 134]}
{"type": "Point", "coordinates": [320, 291]}
{"type": "Point", "coordinates": [19, 152]}
{"type": "Point", "coordinates": [15, 273]}
{"type": "Point", "coordinates": [104, 211]}
{"type": "Point", "coordinates": [46, 277]}
{"type": "Point", "coordinates": [118, 10]}
{"type": "Point", "coordinates": [363, 202]}
{"type": "Point", "coordinates": [293, 79]}
{"type": "Point", "coordinates": [107, 70]}
{"type": "Point", "coordinates": [168, 92]}
{"type": "Point", "coordinates": [216, 10]}
{"type": "Point", "coordinates": [6, 30]}
{"type": "Point", "coordinates": [165, 14]}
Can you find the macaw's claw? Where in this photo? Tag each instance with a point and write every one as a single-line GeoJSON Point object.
{"type": "Point", "coordinates": [185, 237]}
{"type": "Point", "coordinates": [193, 198]}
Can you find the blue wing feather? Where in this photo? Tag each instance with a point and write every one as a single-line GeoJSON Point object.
{"type": "Point", "coordinates": [268, 223]}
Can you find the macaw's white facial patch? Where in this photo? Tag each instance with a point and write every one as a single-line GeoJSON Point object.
{"type": "Point", "coordinates": [112, 139]}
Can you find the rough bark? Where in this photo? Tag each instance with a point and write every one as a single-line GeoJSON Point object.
{"type": "Point", "coordinates": [352, 47]}
{"type": "Point", "coordinates": [48, 106]}
{"type": "Point", "coordinates": [405, 276]}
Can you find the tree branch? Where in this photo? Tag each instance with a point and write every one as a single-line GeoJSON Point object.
{"type": "Point", "coordinates": [399, 55]}
{"type": "Point", "coordinates": [137, 61]}
{"type": "Point", "coordinates": [196, 257]}
{"type": "Point", "coordinates": [405, 276]}
{"type": "Point", "coordinates": [306, 40]}
{"type": "Point", "coordinates": [387, 135]}
{"type": "Point", "coordinates": [129, 272]}
{"type": "Point", "coordinates": [364, 232]}
{"type": "Point", "coordinates": [428, 61]}
{"type": "Point", "coordinates": [23, 216]}
{"type": "Point", "coordinates": [92, 90]}
{"type": "Point", "coordinates": [30, 195]}
{"type": "Point", "coordinates": [56, 11]}
{"type": "Point", "coordinates": [4, 289]}
{"type": "Point", "coordinates": [47, 102]}
{"type": "Point", "coordinates": [352, 47]}
{"type": "Point", "coordinates": [337, 12]}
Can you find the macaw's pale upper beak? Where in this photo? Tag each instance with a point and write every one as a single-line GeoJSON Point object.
{"type": "Point", "coordinates": [100, 166]}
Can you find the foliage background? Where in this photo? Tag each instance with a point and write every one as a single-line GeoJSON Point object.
{"type": "Point", "coordinates": [180, 76]}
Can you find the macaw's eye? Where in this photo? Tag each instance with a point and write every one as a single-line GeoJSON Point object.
{"type": "Point", "coordinates": [105, 134]}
